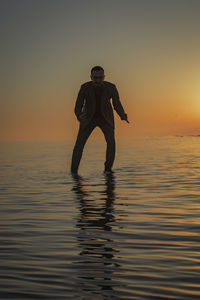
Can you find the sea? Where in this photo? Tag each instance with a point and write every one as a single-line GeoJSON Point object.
{"type": "Point", "coordinates": [131, 234]}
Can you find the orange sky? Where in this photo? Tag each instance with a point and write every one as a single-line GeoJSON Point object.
{"type": "Point", "coordinates": [149, 49]}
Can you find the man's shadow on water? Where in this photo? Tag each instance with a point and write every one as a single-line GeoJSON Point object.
{"type": "Point", "coordinates": [97, 264]}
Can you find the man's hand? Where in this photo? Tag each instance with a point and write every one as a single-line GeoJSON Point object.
{"type": "Point", "coordinates": [82, 116]}
{"type": "Point", "coordinates": [125, 117]}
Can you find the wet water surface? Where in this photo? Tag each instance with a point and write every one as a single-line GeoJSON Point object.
{"type": "Point", "coordinates": [134, 234]}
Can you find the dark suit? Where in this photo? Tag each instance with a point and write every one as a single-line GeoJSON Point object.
{"type": "Point", "coordinates": [85, 102]}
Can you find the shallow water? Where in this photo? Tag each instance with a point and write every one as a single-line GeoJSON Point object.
{"type": "Point", "coordinates": [134, 234]}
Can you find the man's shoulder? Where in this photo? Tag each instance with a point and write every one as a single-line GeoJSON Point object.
{"type": "Point", "coordinates": [108, 83]}
{"type": "Point", "coordinates": [105, 82]}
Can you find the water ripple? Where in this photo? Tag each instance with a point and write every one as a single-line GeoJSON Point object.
{"type": "Point", "coordinates": [133, 234]}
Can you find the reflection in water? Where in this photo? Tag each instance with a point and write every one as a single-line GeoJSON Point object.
{"type": "Point", "coordinates": [98, 263]}
{"type": "Point", "coordinates": [133, 234]}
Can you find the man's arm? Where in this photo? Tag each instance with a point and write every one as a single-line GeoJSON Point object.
{"type": "Point", "coordinates": [117, 103]}
{"type": "Point", "coordinates": [79, 102]}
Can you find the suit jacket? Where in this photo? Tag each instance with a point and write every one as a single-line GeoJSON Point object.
{"type": "Point", "coordinates": [86, 102]}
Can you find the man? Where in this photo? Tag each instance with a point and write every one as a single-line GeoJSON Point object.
{"type": "Point", "coordinates": [93, 108]}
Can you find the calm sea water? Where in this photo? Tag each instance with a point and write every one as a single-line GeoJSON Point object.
{"type": "Point", "coordinates": [132, 235]}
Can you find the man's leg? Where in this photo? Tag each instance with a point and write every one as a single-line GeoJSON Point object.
{"type": "Point", "coordinates": [82, 137]}
{"type": "Point", "coordinates": [109, 134]}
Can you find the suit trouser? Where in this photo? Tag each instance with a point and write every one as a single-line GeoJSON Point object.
{"type": "Point", "coordinates": [84, 133]}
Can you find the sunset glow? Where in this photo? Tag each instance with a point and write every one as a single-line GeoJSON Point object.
{"type": "Point", "coordinates": [149, 49]}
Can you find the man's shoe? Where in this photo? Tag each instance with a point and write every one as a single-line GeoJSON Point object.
{"type": "Point", "coordinates": [107, 170]}
{"type": "Point", "coordinates": [74, 171]}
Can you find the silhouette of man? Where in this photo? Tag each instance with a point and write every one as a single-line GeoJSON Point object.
{"type": "Point", "coordinates": [93, 108]}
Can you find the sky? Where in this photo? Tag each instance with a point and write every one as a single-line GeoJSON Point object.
{"type": "Point", "coordinates": [149, 48]}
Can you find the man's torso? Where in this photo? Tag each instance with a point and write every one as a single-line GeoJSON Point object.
{"type": "Point", "coordinates": [98, 94]}
{"type": "Point", "coordinates": [97, 102]}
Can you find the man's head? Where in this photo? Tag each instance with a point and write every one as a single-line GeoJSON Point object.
{"type": "Point", "coordinates": [97, 75]}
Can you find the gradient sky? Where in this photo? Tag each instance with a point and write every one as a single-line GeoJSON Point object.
{"type": "Point", "coordinates": [149, 48]}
